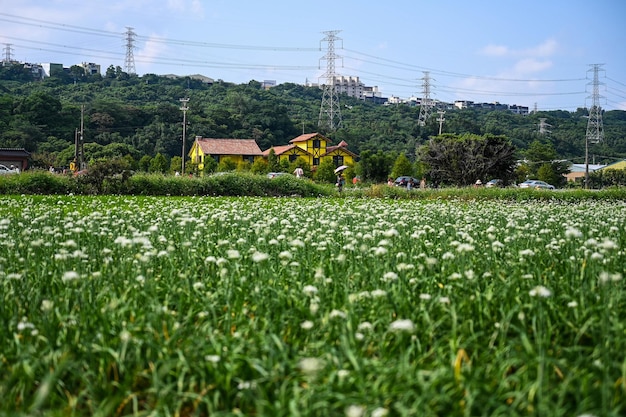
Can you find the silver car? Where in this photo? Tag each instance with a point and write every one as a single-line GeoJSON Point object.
{"type": "Point", "coordinates": [4, 170]}
{"type": "Point", "coordinates": [537, 185]}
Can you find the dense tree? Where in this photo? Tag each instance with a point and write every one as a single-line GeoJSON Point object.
{"type": "Point", "coordinates": [159, 164]}
{"type": "Point", "coordinates": [543, 163]}
{"type": "Point", "coordinates": [461, 160]}
{"type": "Point", "coordinates": [402, 166]}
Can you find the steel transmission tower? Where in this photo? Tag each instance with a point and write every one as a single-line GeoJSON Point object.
{"type": "Point", "coordinates": [426, 104]}
{"type": "Point", "coordinates": [595, 131]}
{"type": "Point", "coordinates": [129, 64]}
{"type": "Point", "coordinates": [7, 53]}
{"type": "Point", "coordinates": [543, 126]}
{"type": "Point", "coordinates": [330, 113]}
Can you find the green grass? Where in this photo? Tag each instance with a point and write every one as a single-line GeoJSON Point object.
{"type": "Point", "coordinates": [314, 307]}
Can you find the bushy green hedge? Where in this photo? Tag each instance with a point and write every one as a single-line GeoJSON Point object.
{"type": "Point", "coordinates": [245, 184]}
{"type": "Point", "coordinates": [230, 184]}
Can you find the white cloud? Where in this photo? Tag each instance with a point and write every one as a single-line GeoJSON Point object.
{"type": "Point", "coordinates": [495, 50]}
{"type": "Point", "coordinates": [530, 66]}
{"type": "Point", "coordinates": [547, 48]}
{"type": "Point", "coordinates": [151, 50]}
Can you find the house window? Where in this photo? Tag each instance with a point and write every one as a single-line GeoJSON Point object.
{"type": "Point", "coordinates": [338, 160]}
{"type": "Point", "coordinates": [293, 157]}
{"type": "Point", "coordinates": [248, 158]}
{"type": "Point", "coordinates": [316, 143]}
{"type": "Point", "coordinates": [316, 161]}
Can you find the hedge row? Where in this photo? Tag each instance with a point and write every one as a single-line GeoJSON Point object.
{"type": "Point", "coordinates": [230, 184]}
{"type": "Point", "coordinates": [245, 184]}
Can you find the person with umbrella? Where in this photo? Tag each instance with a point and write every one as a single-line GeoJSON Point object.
{"type": "Point", "coordinates": [340, 180]}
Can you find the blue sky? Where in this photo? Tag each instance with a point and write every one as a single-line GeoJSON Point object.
{"type": "Point", "coordinates": [530, 53]}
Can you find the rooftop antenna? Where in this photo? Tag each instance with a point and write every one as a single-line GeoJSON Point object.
{"type": "Point", "coordinates": [330, 113]}
{"type": "Point", "coordinates": [129, 64]}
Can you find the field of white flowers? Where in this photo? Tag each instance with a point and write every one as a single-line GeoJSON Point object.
{"type": "Point", "coordinates": [117, 306]}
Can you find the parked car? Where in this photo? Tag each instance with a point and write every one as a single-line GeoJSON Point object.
{"type": "Point", "coordinates": [536, 184]}
{"type": "Point", "coordinates": [403, 181]}
{"type": "Point", "coordinates": [273, 175]}
{"type": "Point", "coordinates": [494, 183]}
{"type": "Point", "coordinates": [4, 170]}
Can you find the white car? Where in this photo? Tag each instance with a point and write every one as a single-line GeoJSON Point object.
{"type": "Point", "coordinates": [537, 185]}
{"type": "Point", "coordinates": [4, 170]}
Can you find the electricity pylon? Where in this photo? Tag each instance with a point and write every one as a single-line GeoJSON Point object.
{"type": "Point", "coordinates": [330, 113]}
{"type": "Point", "coordinates": [129, 64]}
{"type": "Point", "coordinates": [595, 130]}
{"type": "Point", "coordinates": [426, 103]}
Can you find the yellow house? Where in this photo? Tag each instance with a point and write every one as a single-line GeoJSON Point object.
{"type": "Point", "coordinates": [237, 150]}
{"type": "Point", "coordinates": [289, 153]}
{"type": "Point", "coordinates": [318, 149]}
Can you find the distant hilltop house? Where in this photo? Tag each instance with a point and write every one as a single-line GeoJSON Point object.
{"type": "Point", "coordinates": [312, 147]}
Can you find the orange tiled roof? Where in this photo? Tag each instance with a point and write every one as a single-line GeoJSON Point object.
{"type": "Point", "coordinates": [279, 150]}
{"type": "Point", "coordinates": [212, 146]}
{"type": "Point", "coordinates": [304, 138]}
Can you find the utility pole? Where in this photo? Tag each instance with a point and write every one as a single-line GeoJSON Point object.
{"type": "Point", "coordinates": [129, 64]}
{"type": "Point", "coordinates": [441, 120]}
{"type": "Point", "coordinates": [426, 104]}
{"type": "Point", "coordinates": [595, 130]}
{"type": "Point", "coordinates": [79, 157]}
{"type": "Point", "coordinates": [330, 113]}
{"type": "Point", "coordinates": [184, 109]}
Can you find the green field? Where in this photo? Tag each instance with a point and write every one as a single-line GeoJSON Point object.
{"type": "Point", "coordinates": [117, 306]}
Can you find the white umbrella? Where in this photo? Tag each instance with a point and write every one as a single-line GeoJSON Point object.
{"type": "Point", "coordinates": [341, 168]}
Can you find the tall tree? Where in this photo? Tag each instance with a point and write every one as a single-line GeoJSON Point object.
{"type": "Point", "coordinates": [461, 160]}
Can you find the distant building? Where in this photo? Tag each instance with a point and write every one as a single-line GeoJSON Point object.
{"type": "Point", "coordinates": [50, 69]}
{"type": "Point", "coordinates": [36, 70]}
{"type": "Point", "coordinates": [91, 68]}
{"type": "Point", "coordinates": [577, 171]}
{"type": "Point", "coordinates": [267, 84]}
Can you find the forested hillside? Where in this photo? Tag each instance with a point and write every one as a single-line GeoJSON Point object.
{"type": "Point", "coordinates": [137, 116]}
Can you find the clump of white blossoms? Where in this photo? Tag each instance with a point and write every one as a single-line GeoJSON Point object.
{"type": "Point", "coordinates": [355, 411]}
{"type": "Point", "coordinates": [306, 325]}
{"type": "Point", "coordinates": [233, 254]}
{"type": "Point", "coordinates": [337, 314]}
{"type": "Point", "coordinates": [70, 276]}
{"type": "Point", "coordinates": [607, 277]}
{"type": "Point", "coordinates": [311, 366]}
{"type": "Point", "coordinates": [212, 358]}
{"type": "Point", "coordinates": [526, 253]}
{"type": "Point", "coordinates": [540, 291]}
{"type": "Point", "coordinates": [309, 290]}
{"type": "Point", "coordinates": [259, 257]}
{"type": "Point", "coordinates": [572, 232]}
{"type": "Point", "coordinates": [390, 276]}
{"type": "Point", "coordinates": [404, 325]}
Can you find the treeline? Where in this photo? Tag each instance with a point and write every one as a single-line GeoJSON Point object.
{"type": "Point", "coordinates": [130, 116]}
